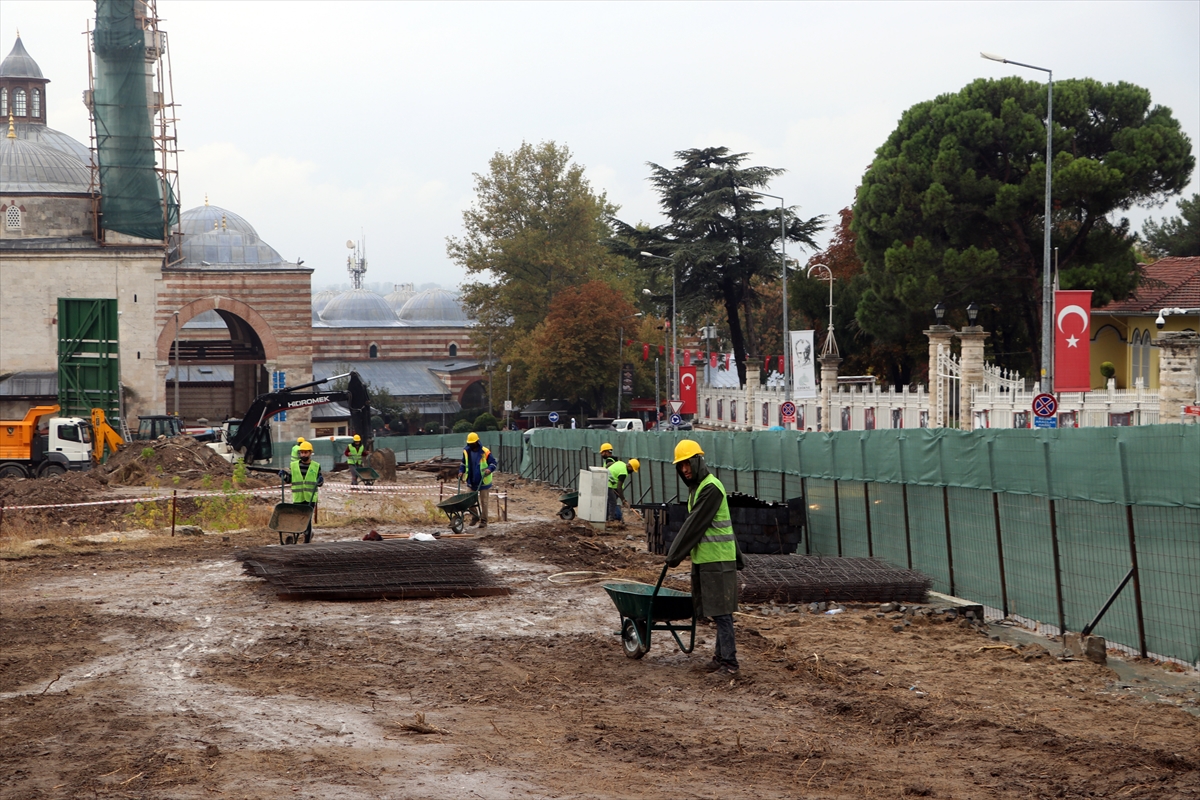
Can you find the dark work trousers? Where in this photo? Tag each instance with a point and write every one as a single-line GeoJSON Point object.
{"type": "Point", "coordinates": [726, 648]}
{"type": "Point", "coordinates": [614, 506]}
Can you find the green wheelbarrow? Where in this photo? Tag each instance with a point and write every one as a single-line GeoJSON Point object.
{"type": "Point", "coordinates": [644, 609]}
{"type": "Point", "coordinates": [458, 506]}
{"type": "Point", "coordinates": [292, 522]}
{"type": "Point", "coordinates": [367, 475]}
{"type": "Point", "coordinates": [570, 501]}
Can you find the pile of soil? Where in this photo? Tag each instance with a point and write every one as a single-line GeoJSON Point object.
{"type": "Point", "coordinates": [574, 545]}
{"type": "Point", "coordinates": [180, 462]}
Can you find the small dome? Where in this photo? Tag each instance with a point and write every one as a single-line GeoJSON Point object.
{"type": "Point", "coordinates": [434, 308]}
{"type": "Point", "coordinates": [358, 308]}
{"type": "Point", "coordinates": [19, 64]}
{"type": "Point", "coordinates": [206, 218]}
{"type": "Point", "coordinates": [319, 301]}
{"type": "Point", "coordinates": [27, 167]}
{"type": "Point", "coordinates": [232, 243]}
{"type": "Point", "coordinates": [401, 295]}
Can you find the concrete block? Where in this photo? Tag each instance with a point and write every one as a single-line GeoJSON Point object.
{"type": "Point", "coordinates": [1093, 648]}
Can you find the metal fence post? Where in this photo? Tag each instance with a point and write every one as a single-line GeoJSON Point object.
{"type": "Point", "coordinates": [1000, 555]}
{"type": "Point", "coordinates": [907, 533]}
{"type": "Point", "coordinates": [837, 516]}
{"type": "Point", "coordinates": [1058, 595]}
{"type": "Point", "coordinates": [1137, 583]}
{"type": "Point", "coordinates": [949, 547]}
{"type": "Point", "coordinates": [807, 517]}
{"type": "Point", "coordinates": [867, 503]}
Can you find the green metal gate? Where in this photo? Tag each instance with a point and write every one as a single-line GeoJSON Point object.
{"type": "Point", "coordinates": [89, 370]}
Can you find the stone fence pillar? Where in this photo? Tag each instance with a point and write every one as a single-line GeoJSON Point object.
{"type": "Point", "coordinates": [972, 338]}
{"type": "Point", "coordinates": [1177, 373]}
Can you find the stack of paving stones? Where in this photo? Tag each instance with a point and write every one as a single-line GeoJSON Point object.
{"type": "Point", "coordinates": [394, 569]}
{"type": "Point", "coordinates": [818, 579]}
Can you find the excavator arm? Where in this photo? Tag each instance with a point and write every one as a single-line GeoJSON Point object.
{"type": "Point", "coordinates": [256, 421]}
{"type": "Point", "coordinates": [103, 436]}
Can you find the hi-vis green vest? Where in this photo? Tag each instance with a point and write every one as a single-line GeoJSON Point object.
{"type": "Point", "coordinates": [485, 480]}
{"type": "Point", "coordinates": [304, 484]}
{"type": "Point", "coordinates": [718, 543]}
{"type": "Point", "coordinates": [356, 454]}
{"type": "Point", "coordinates": [617, 471]}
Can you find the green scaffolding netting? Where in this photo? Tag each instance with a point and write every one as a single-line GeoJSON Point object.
{"type": "Point", "coordinates": [131, 190]}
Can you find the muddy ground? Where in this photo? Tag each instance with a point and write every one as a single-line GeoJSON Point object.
{"type": "Point", "coordinates": [154, 668]}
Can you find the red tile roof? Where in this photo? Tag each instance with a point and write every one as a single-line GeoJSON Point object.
{"type": "Point", "coordinates": [1172, 282]}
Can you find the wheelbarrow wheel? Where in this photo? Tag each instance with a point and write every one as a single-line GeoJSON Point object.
{"type": "Point", "coordinates": [567, 513]}
{"type": "Point", "coordinates": [633, 638]}
{"type": "Point", "coordinates": [456, 523]}
{"type": "Point", "coordinates": [289, 539]}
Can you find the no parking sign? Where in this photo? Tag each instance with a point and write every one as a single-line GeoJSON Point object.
{"type": "Point", "coordinates": [788, 411]}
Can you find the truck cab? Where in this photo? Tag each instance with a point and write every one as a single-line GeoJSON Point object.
{"type": "Point", "coordinates": [38, 446]}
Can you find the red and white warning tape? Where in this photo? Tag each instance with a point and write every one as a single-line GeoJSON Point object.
{"type": "Point", "coordinates": [401, 490]}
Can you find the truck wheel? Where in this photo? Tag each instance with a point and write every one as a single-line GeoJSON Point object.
{"type": "Point", "coordinates": [50, 469]}
{"type": "Point", "coordinates": [12, 471]}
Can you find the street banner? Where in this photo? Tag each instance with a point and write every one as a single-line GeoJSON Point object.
{"type": "Point", "coordinates": [627, 379]}
{"type": "Point", "coordinates": [687, 389]}
{"type": "Point", "coordinates": [804, 374]}
{"type": "Point", "coordinates": [1072, 341]}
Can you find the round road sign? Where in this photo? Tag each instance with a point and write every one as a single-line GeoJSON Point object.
{"type": "Point", "coordinates": [553, 417]}
{"type": "Point", "coordinates": [788, 410]}
{"type": "Point", "coordinates": [676, 419]}
{"type": "Point", "coordinates": [1045, 405]}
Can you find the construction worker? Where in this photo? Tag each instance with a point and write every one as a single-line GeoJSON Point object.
{"type": "Point", "coordinates": [296, 448]}
{"type": "Point", "coordinates": [355, 454]}
{"type": "Point", "coordinates": [606, 455]}
{"type": "Point", "coordinates": [477, 466]}
{"type": "Point", "coordinates": [305, 477]}
{"type": "Point", "coordinates": [707, 538]}
{"type": "Point", "coordinates": [618, 473]}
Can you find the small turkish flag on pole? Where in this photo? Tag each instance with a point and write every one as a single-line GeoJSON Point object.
{"type": "Point", "coordinates": [687, 358]}
{"type": "Point", "coordinates": [1072, 341]}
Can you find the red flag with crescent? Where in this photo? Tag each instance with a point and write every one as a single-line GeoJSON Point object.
{"type": "Point", "coordinates": [767, 363]}
{"type": "Point", "coordinates": [1072, 341]}
{"type": "Point", "coordinates": [687, 389]}
{"type": "Point", "coordinates": [687, 358]}
{"type": "Point", "coordinates": [645, 352]}
{"type": "Point", "coordinates": [712, 360]}
{"type": "Point", "coordinates": [781, 365]}
{"type": "Point", "coordinates": [728, 360]}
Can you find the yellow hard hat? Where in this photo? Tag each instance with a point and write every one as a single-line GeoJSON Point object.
{"type": "Point", "coordinates": [357, 438]}
{"type": "Point", "coordinates": [301, 440]}
{"type": "Point", "coordinates": [605, 447]}
{"type": "Point", "coordinates": [472, 437]}
{"type": "Point", "coordinates": [686, 449]}
{"type": "Point", "coordinates": [305, 447]}
{"type": "Point", "coordinates": [634, 464]}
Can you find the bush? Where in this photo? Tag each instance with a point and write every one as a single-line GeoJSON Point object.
{"type": "Point", "coordinates": [462, 426]}
{"type": "Point", "coordinates": [431, 427]}
{"type": "Point", "coordinates": [1108, 369]}
{"type": "Point", "coordinates": [486, 422]}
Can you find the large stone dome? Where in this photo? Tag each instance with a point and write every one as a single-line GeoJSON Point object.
{"type": "Point", "coordinates": [320, 300]}
{"type": "Point", "coordinates": [29, 167]}
{"type": "Point", "coordinates": [216, 238]}
{"type": "Point", "coordinates": [401, 294]}
{"type": "Point", "coordinates": [434, 308]}
{"type": "Point", "coordinates": [358, 308]}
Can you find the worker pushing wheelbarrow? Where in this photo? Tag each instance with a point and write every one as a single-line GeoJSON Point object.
{"type": "Point", "coordinates": [477, 467]}
{"type": "Point", "coordinates": [293, 520]}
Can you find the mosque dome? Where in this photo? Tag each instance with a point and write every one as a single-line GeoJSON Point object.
{"type": "Point", "coordinates": [434, 308]}
{"type": "Point", "coordinates": [19, 73]}
{"type": "Point", "coordinates": [399, 296]}
{"type": "Point", "coordinates": [215, 237]}
{"type": "Point", "coordinates": [19, 64]}
{"type": "Point", "coordinates": [29, 167]}
{"type": "Point", "coordinates": [358, 308]}
{"type": "Point", "coordinates": [320, 300]}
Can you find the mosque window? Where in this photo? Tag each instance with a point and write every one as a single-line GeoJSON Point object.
{"type": "Point", "coordinates": [12, 218]}
{"type": "Point", "coordinates": [19, 102]}
{"type": "Point", "coordinates": [3, 102]}
{"type": "Point", "coordinates": [373, 351]}
{"type": "Point", "coordinates": [37, 104]}
{"type": "Point", "coordinates": [453, 350]}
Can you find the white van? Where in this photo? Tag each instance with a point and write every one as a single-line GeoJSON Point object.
{"type": "Point", "coordinates": [624, 425]}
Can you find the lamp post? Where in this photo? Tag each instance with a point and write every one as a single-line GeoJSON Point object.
{"type": "Point", "coordinates": [1047, 292]}
{"type": "Point", "coordinates": [672, 366]}
{"type": "Point", "coordinates": [787, 346]}
{"type": "Point", "coordinates": [507, 396]}
{"type": "Point", "coordinates": [177, 365]}
{"type": "Point", "coordinates": [830, 347]}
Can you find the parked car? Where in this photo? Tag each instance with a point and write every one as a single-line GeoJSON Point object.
{"type": "Point", "coordinates": [628, 424]}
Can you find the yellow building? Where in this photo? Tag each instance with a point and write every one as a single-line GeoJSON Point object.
{"type": "Point", "coordinates": [1121, 332]}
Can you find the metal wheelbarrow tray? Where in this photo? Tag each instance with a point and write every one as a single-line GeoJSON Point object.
{"type": "Point", "coordinates": [644, 608]}
{"type": "Point", "coordinates": [458, 506]}
{"type": "Point", "coordinates": [570, 501]}
{"type": "Point", "coordinates": [368, 475]}
{"type": "Point", "coordinates": [291, 520]}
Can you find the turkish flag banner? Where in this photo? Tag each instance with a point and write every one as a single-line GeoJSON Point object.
{"type": "Point", "coordinates": [687, 358]}
{"type": "Point", "coordinates": [687, 389]}
{"type": "Point", "coordinates": [781, 365]}
{"type": "Point", "coordinates": [1072, 341]}
{"type": "Point", "coordinates": [645, 352]}
{"type": "Point", "coordinates": [712, 360]}
{"type": "Point", "coordinates": [767, 363]}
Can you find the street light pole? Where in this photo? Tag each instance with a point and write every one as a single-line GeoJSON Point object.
{"type": "Point", "coordinates": [507, 396]}
{"type": "Point", "coordinates": [620, 365]}
{"type": "Point", "coordinates": [787, 346]}
{"type": "Point", "coordinates": [672, 366]}
{"type": "Point", "coordinates": [176, 364]}
{"type": "Point", "coordinates": [830, 347]}
{"type": "Point", "coordinates": [1047, 289]}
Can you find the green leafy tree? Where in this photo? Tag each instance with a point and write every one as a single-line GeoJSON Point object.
{"type": "Point", "coordinates": [574, 354]}
{"type": "Point", "coordinates": [534, 230]}
{"type": "Point", "coordinates": [1175, 236]}
{"type": "Point", "coordinates": [952, 207]}
{"type": "Point", "coordinates": [717, 237]}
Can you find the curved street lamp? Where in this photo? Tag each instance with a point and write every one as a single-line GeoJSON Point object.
{"type": "Point", "coordinates": [830, 347]}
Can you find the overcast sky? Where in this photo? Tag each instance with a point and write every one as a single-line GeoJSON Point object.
{"type": "Point", "coordinates": [325, 121]}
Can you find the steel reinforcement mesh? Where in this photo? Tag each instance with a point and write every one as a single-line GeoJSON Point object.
{"type": "Point", "coordinates": [391, 569]}
{"type": "Point", "coordinates": [815, 579]}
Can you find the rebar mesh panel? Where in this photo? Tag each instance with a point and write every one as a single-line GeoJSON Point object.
{"type": "Point", "coordinates": [394, 569]}
{"type": "Point", "coordinates": [813, 579]}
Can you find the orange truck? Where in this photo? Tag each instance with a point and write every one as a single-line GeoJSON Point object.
{"type": "Point", "coordinates": [42, 444]}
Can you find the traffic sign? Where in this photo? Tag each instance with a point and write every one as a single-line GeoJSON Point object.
{"type": "Point", "coordinates": [1045, 405]}
{"type": "Point", "coordinates": [553, 417]}
{"type": "Point", "coordinates": [1045, 422]}
{"type": "Point", "coordinates": [788, 410]}
{"type": "Point", "coordinates": [676, 419]}
{"type": "Point", "coordinates": [676, 406]}
{"type": "Point", "coordinates": [508, 405]}
{"type": "Point", "coordinates": [1193, 410]}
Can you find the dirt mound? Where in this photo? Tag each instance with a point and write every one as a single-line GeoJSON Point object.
{"type": "Point", "coordinates": [574, 545]}
{"type": "Point", "coordinates": [179, 462]}
{"type": "Point", "coordinates": [70, 487]}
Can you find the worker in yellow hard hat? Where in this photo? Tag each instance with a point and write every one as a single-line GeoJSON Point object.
{"type": "Point", "coordinates": [477, 467]}
{"type": "Point", "coordinates": [296, 448]}
{"type": "Point", "coordinates": [707, 538]}
{"type": "Point", "coordinates": [305, 477]}
{"type": "Point", "coordinates": [618, 473]}
{"type": "Point", "coordinates": [606, 455]}
{"type": "Point", "coordinates": [356, 453]}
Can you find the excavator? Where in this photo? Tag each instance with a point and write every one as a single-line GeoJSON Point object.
{"type": "Point", "coordinates": [250, 437]}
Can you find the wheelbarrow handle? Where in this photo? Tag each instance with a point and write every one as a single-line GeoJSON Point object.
{"type": "Point", "coordinates": [661, 576]}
